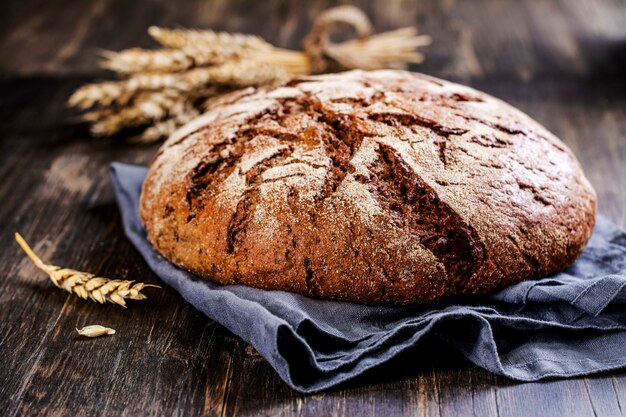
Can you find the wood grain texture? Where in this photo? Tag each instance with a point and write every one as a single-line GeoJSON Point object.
{"type": "Point", "coordinates": [561, 61]}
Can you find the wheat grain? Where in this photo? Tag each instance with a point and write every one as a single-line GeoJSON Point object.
{"type": "Point", "coordinates": [95, 330]}
{"type": "Point", "coordinates": [86, 285]}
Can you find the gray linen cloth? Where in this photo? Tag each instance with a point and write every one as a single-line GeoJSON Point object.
{"type": "Point", "coordinates": [572, 323]}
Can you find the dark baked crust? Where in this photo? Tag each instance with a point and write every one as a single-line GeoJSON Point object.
{"type": "Point", "coordinates": [374, 187]}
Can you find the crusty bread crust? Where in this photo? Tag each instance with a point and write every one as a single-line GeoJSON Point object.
{"type": "Point", "coordinates": [375, 187]}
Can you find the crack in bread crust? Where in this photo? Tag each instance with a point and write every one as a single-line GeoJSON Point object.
{"type": "Point", "coordinates": [209, 172]}
{"type": "Point", "coordinates": [245, 207]}
{"type": "Point", "coordinates": [442, 133]}
{"type": "Point", "coordinates": [414, 206]}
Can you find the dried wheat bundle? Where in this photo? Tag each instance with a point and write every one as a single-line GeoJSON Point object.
{"type": "Point", "coordinates": [86, 285]}
{"type": "Point", "coordinates": [162, 89]}
{"type": "Point", "coordinates": [95, 330]}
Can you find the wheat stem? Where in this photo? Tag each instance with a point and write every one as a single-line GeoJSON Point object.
{"type": "Point", "coordinates": [29, 252]}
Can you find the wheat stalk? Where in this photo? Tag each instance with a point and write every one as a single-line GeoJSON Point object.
{"type": "Point", "coordinates": [86, 285]}
{"type": "Point", "coordinates": [95, 330]}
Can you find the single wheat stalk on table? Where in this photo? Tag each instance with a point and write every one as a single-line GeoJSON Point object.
{"type": "Point", "coordinates": [86, 285]}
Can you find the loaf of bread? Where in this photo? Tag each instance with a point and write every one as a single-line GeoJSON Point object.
{"type": "Point", "coordinates": [383, 187]}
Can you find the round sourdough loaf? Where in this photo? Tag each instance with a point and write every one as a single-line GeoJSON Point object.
{"type": "Point", "coordinates": [375, 187]}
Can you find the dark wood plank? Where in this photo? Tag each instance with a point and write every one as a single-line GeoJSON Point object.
{"type": "Point", "coordinates": [561, 61]}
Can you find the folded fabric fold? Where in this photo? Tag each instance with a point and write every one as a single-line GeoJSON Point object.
{"type": "Point", "coordinates": [569, 324]}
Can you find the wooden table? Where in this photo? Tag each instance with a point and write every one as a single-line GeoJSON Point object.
{"type": "Point", "coordinates": [563, 62]}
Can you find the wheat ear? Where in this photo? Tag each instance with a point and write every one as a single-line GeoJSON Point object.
{"type": "Point", "coordinates": [95, 330]}
{"type": "Point", "coordinates": [86, 285]}
{"type": "Point", "coordinates": [108, 93]}
{"type": "Point", "coordinates": [236, 43]}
